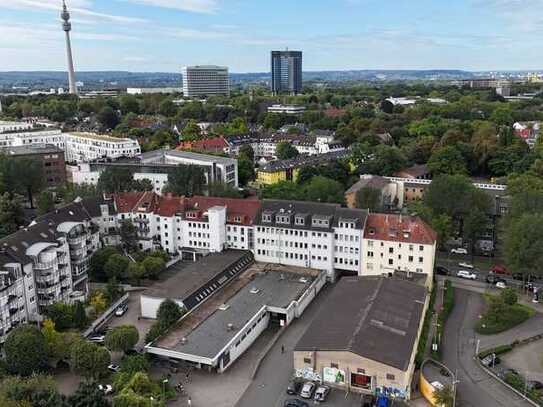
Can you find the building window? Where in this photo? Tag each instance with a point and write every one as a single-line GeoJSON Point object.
{"type": "Point", "coordinates": [334, 365]}
{"type": "Point", "coordinates": [307, 361]}
{"type": "Point", "coordinates": [390, 262]}
{"type": "Point", "coordinates": [361, 371]}
{"type": "Point", "coordinates": [391, 376]}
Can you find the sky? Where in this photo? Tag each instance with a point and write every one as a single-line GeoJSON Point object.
{"type": "Point", "coordinates": [164, 35]}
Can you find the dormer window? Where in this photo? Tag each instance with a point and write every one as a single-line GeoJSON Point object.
{"type": "Point", "coordinates": [283, 219]}
{"type": "Point", "coordinates": [299, 220]}
{"type": "Point", "coordinates": [267, 217]}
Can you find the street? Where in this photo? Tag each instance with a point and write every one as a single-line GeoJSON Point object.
{"type": "Point", "coordinates": [475, 388]}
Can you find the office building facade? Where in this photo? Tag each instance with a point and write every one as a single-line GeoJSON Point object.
{"type": "Point", "coordinates": [286, 71]}
{"type": "Point", "coordinates": [205, 80]}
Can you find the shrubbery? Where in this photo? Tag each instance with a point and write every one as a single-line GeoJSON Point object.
{"type": "Point", "coordinates": [503, 313]}
{"type": "Point", "coordinates": [168, 314]}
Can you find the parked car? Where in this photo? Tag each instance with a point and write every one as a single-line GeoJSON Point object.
{"type": "Point", "coordinates": [535, 385]}
{"type": "Point", "coordinates": [494, 279]}
{"type": "Point", "coordinates": [466, 265]}
{"type": "Point", "coordinates": [114, 368]}
{"type": "Point", "coordinates": [121, 310]}
{"type": "Point", "coordinates": [491, 360]}
{"type": "Point", "coordinates": [105, 388]}
{"type": "Point", "coordinates": [459, 250]}
{"type": "Point", "coordinates": [307, 390]}
{"type": "Point", "coordinates": [294, 387]}
{"type": "Point", "coordinates": [295, 403]}
{"type": "Point", "coordinates": [499, 269]}
{"type": "Point", "coordinates": [322, 392]}
{"type": "Point", "coordinates": [442, 271]}
{"type": "Point", "coordinates": [97, 339]}
{"type": "Point", "coordinates": [501, 285]}
{"type": "Point", "coordinates": [466, 274]}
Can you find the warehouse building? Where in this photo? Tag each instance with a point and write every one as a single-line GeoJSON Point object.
{"type": "Point", "coordinates": [191, 285]}
{"type": "Point", "coordinates": [366, 336]}
{"type": "Point", "coordinates": [218, 332]}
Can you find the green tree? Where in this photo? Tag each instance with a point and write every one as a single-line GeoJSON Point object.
{"type": "Point", "coordinates": [444, 397]}
{"type": "Point", "coordinates": [322, 189]}
{"type": "Point", "coordinates": [129, 235]}
{"type": "Point", "coordinates": [285, 151]}
{"type": "Point", "coordinates": [116, 266]}
{"type": "Point", "coordinates": [88, 395]}
{"type": "Point", "coordinates": [11, 214]}
{"type": "Point", "coordinates": [134, 363]}
{"type": "Point", "coordinates": [56, 346]}
{"type": "Point", "coordinates": [89, 360]}
{"type": "Point", "coordinates": [447, 160]}
{"type": "Point", "coordinates": [475, 224]}
{"type": "Point", "coordinates": [509, 296]}
{"type": "Point", "coordinates": [385, 160]}
{"type": "Point", "coordinates": [108, 117]}
{"type": "Point", "coordinates": [62, 315]}
{"type": "Point", "coordinates": [25, 351]}
{"type": "Point", "coordinates": [46, 203]}
{"type": "Point", "coordinates": [167, 108]}
{"type": "Point", "coordinates": [368, 198]}
{"type": "Point", "coordinates": [223, 190]}
{"type": "Point", "coordinates": [192, 131]}
{"type": "Point", "coordinates": [36, 390]}
{"type": "Point", "coordinates": [246, 171]}
{"type": "Point", "coordinates": [186, 180]}
{"type": "Point", "coordinates": [153, 266]}
{"type": "Point", "coordinates": [99, 260]}
{"type": "Point", "coordinates": [285, 190]}
{"type": "Point", "coordinates": [114, 180]}
{"type": "Point", "coordinates": [122, 338]}
{"type": "Point", "coordinates": [246, 152]}
{"type": "Point", "coordinates": [80, 316]}
{"type": "Point", "coordinates": [129, 104]}
{"type": "Point", "coordinates": [524, 244]}
{"type": "Point", "coordinates": [169, 312]}
{"type": "Point", "coordinates": [135, 272]}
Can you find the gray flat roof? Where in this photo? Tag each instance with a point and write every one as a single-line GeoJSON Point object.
{"type": "Point", "coordinates": [374, 317]}
{"type": "Point", "coordinates": [186, 279]}
{"type": "Point", "coordinates": [276, 289]}
{"type": "Point", "coordinates": [33, 149]}
{"type": "Point", "coordinates": [161, 157]}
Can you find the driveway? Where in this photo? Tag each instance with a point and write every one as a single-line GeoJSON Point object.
{"type": "Point", "coordinates": [475, 388]}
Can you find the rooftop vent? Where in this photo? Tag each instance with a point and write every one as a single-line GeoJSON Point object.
{"type": "Point", "coordinates": [303, 280]}
{"type": "Point", "coordinates": [224, 307]}
{"type": "Point", "coordinates": [230, 327]}
{"type": "Point", "coordinates": [183, 341]}
{"type": "Point", "coordinates": [71, 213]}
{"type": "Point", "coordinates": [255, 290]}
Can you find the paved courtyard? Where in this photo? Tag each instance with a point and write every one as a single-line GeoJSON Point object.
{"type": "Point", "coordinates": [527, 360]}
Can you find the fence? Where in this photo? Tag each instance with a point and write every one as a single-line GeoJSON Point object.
{"type": "Point", "coordinates": [105, 316]}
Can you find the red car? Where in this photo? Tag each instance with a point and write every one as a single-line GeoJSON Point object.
{"type": "Point", "coordinates": [500, 269]}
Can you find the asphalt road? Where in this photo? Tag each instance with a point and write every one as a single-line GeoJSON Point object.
{"type": "Point", "coordinates": [475, 387]}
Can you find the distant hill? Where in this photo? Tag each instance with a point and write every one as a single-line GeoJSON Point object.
{"type": "Point", "coordinates": [122, 79]}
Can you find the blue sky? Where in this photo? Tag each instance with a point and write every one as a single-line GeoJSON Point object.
{"type": "Point", "coordinates": [163, 35]}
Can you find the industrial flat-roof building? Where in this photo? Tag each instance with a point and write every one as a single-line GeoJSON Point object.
{"type": "Point", "coordinates": [216, 333]}
{"type": "Point", "coordinates": [366, 336]}
{"type": "Point", "coordinates": [191, 285]}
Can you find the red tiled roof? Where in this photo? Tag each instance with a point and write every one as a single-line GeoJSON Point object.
{"type": "Point", "coordinates": [136, 202]}
{"type": "Point", "coordinates": [242, 210]}
{"type": "Point", "coordinates": [398, 228]}
{"type": "Point", "coordinates": [213, 144]}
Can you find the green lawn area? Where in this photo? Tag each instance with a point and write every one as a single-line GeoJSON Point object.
{"type": "Point", "coordinates": [508, 317]}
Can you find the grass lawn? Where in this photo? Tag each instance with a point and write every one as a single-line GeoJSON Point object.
{"type": "Point", "coordinates": [511, 317]}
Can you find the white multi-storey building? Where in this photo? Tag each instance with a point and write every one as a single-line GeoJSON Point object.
{"type": "Point", "coordinates": [398, 243]}
{"type": "Point", "coordinates": [9, 127]}
{"type": "Point", "coordinates": [156, 166]}
{"type": "Point", "coordinates": [205, 80]}
{"type": "Point", "coordinates": [84, 147]}
{"type": "Point", "coordinates": [31, 136]}
{"type": "Point", "coordinates": [45, 263]}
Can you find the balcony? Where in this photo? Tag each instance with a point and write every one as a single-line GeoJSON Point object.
{"type": "Point", "coordinates": [77, 241]}
{"type": "Point", "coordinates": [45, 265]}
{"type": "Point", "coordinates": [141, 221]}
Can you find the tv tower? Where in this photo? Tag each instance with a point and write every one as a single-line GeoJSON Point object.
{"type": "Point", "coordinates": [67, 27]}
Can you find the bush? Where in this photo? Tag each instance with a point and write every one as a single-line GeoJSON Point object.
{"type": "Point", "coordinates": [447, 307]}
{"type": "Point", "coordinates": [169, 312]}
{"type": "Point", "coordinates": [421, 348]}
{"type": "Point", "coordinates": [507, 318]}
{"type": "Point", "coordinates": [498, 350]}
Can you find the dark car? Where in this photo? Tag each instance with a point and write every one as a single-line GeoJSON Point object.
{"type": "Point", "coordinates": [295, 403]}
{"type": "Point", "coordinates": [294, 387]}
{"type": "Point", "coordinates": [493, 279]}
{"type": "Point", "coordinates": [535, 385]}
{"type": "Point", "coordinates": [442, 271]}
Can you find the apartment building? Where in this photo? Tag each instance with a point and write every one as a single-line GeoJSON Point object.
{"type": "Point", "coordinates": [45, 263]}
{"type": "Point", "coordinates": [205, 80]}
{"type": "Point", "coordinates": [157, 165]}
{"type": "Point", "coordinates": [84, 147]}
{"type": "Point", "coordinates": [51, 158]}
{"type": "Point", "coordinates": [32, 136]}
{"type": "Point", "coordinates": [396, 243]}
{"type": "Point", "coordinates": [9, 127]}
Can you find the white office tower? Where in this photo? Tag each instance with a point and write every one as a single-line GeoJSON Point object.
{"type": "Point", "coordinates": [205, 80]}
{"type": "Point", "coordinates": [67, 27]}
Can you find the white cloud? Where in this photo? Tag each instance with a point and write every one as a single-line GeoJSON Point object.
{"type": "Point", "coordinates": [77, 8]}
{"type": "Point", "coordinates": [196, 6]}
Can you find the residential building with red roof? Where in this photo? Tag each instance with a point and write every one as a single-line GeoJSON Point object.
{"type": "Point", "coordinates": [212, 145]}
{"type": "Point", "coordinates": [397, 243]}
